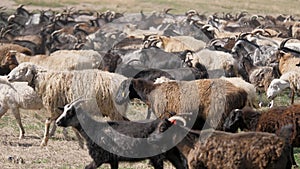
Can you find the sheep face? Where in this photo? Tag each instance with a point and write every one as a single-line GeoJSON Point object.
{"type": "Point", "coordinates": [68, 117]}
{"type": "Point", "coordinates": [233, 121]}
{"type": "Point", "coordinates": [22, 73]}
{"type": "Point", "coordinates": [276, 86]}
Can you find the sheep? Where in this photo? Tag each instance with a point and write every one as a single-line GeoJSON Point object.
{"type": "Point", "coordinates": [270, 120]}
{"type": "Point", "coordinates": [210, 58]}
{"type": "Point", "coordinates": [56, 88]}
{"type": "Point", "coordinates": [287, 62]}
{"type": "Point", "coordinates": [206, 99]}
{"type": "Point", "coordinates": [66, 60]}
{"type": "Point", "coordinates": [249, 88]}
{"type": "Point", "coordinates": [218, 149]}
{"type": "Point", "coordinates": [289, 79]}
{"type": "Point", "coordinates": [259, 76]}
{"type": "Point", "coordinates": [173, 44]}
{"type": "Point", "coordinates": [15, 96]}
{"type": "Point", "coordinates": [106, 145]}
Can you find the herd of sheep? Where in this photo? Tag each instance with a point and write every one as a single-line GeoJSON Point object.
{"type": "Point", "coordinates": [201, 76]}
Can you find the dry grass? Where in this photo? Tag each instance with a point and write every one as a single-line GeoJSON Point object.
{"type": "Point", "coordinates": [179, 6]}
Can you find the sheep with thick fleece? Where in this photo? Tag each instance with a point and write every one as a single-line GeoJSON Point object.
{"type": "Point", "coordinates": [212, 59]}
{"type": "Point", "coordinates": [248, 87]}
{"type": "Point", "coordinates": [213, 149]}
{"type": "Point", "coordinates": [210, 100]}
{"type": "Point", "coordinates": [15, 96]}
{"type": "Point", "coordinates": [57, 88]}
{"type": "Point", "coordinates": [66, 60]}
{"type": "Point", "coordinates": [289, 79]}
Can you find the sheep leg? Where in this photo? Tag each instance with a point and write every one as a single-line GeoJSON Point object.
{"type": "Point", "coordinates": [17, 115]}
{"type": "Point", "coordinates": [3, 111]}
{"type": "Point", "coordinates": [46, 132]}
{"type": "Point", "coordinates": [52, 132]}
{"type": "Point", "coordinates": [149, 113]}
{"type": "Point", "coordinates": [292, 97]}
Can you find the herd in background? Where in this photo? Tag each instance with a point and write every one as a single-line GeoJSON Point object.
{"type": "Point", "coordinates": [209, 71]}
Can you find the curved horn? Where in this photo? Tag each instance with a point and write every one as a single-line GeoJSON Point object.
{"type": "Point", "coordinates": [284, 42]}
{"type": "Point", "coordinates": [260, 31]}
{"type": "Point", "coordinates": [178, 118]}
{"type": "Point", "coordinates": [77, 101]}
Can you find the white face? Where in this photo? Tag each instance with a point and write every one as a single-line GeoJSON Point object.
{"type": "Point", "coordinates": [275, 88]}
{"type": "Point", "coordinates": [21, 73]}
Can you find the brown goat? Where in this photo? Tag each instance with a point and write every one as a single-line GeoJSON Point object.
{"type": "Point", "coordinates": [8, 63]}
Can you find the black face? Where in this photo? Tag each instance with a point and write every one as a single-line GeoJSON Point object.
{"type": "Point", "coordinates": [67, 118]}
{"type": "Point", "coordinates": [233, 121]}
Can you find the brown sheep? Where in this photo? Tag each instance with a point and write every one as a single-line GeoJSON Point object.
{"type": "Point", "coordinates": [268, 121]}
{"type": "Point", "coordinates": [212, 149]}
{"type": "Point", "coordinates": [208, 100]}
{"type": "Point", "coordinates": [8, 63]}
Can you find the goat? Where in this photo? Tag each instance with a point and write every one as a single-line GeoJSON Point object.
{"type": "Point", "coordinates": [106, 145]}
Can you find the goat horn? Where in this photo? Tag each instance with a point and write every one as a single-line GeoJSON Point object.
{"type": "Point", "coordinates": [178, 118]}
{"type": "Point", "coordinates": [283, 43]}
{"type": "Point", "coordinates": [77, 101]}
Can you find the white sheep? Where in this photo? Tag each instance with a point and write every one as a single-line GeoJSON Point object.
{"type": "Point", "coordinates": [57, 88]}
{"type": "Point", "coordinates": [66, 60]}
{"type": "Point", "coordinates": [15, 96]}
{"type": "Point", "coordinates": [290, 79]}
{"type": "Point", "coordinates": [210, 58]}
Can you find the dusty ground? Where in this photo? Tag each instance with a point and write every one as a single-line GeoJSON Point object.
{"type": "Point", "coordinates": [59, 154]}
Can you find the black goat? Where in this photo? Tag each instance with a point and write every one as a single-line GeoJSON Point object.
{"type": "Point", "coordinates": [109, 145]}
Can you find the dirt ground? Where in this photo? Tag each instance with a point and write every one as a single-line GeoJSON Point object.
{"type": "Point", "coordinates": [59, 154]}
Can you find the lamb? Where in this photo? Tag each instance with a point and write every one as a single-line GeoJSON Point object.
{"type": "Point", "coordinates": [208, 100]}
{"type": "Point", "coordinates": [271, 120]}
{"type": "Point", "coordinates": [66, 60]}
{"type": "Point", "coordinates": [218, 149]}
{"type": "Point", "coordinates": [106, 145]}
{"type": "Point", "coordinates": [5, 48]}
{"type": "Point", "coordinates": [290, 79]}
{"type": "Point", "coordinates": [15, 96]}
{"type": "Point", "coordinates": [56, 88]}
